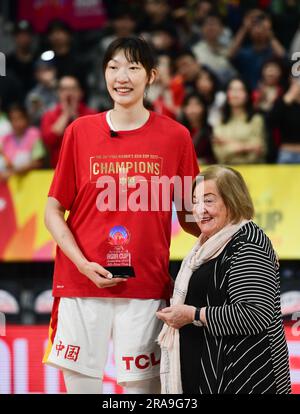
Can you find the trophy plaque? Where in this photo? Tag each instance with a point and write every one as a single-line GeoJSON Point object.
{"type": "Point", "coordinates": [118, 256]}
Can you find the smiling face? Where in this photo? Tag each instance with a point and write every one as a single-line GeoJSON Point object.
{"type": "Point", "coordinates": [209, 209]}
{"type": "Point", "coordinates": [126, 81]}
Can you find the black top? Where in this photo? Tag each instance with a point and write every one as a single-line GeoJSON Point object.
{"type": "Point", "coordinates": [287, 119]}
{"type": "Point", "coordinates": [191, 337]}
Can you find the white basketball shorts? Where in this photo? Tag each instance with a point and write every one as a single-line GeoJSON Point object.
{"type": "Point", "coordinates": [81, 329]}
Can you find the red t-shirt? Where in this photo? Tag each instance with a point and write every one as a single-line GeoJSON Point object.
{"type": "Point", "coordinates": [161, 147]}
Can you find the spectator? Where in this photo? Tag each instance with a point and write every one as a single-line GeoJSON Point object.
{"type": "Point", "coordinates": [194, 117]}
{"type": "Point", "coordinates": [187, 70]}
{"type": "Point", "coordinates": [240, 138]}
{"type": "Point", "coordinates": [211, 51]}
{"type": "Point", "coordinates": [55, 121]}
{"type": "Point", "coordinates": [270, 85]}
{"type": "Point", "coordinates": [207, 86]}
{"type": "Point", "coordinates": [20, 63]}
{"type": "Point", "coordinates": [157, 12]}
{"type": "Point", "coordinates": [123, 24]}
{"type": "Point", "coordinates": [22, 149]}
{"type": "Point", "coordinates": [201, 10]}
{"type": "Point", "coordinates": [249, 59]}
{"type": "Point", "coordinates": [164, 40]}
{"type": "Point", "coordinates": [165, 95]}
{"type": "Point", "coordinates": [182, 16]}
{"type": "Point", "coordinates": [68, 61]}
{"type": "Point", "coordinates": [43, 96]}
{"type": "Point", "coordinates": [286, 117]}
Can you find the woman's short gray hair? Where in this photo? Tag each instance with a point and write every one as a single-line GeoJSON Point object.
{"type": "Point", "coordinates": [233, 190]}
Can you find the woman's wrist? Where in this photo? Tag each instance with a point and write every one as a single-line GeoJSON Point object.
{"type": "Point", "coordinates": [81, 264]}
{"type": "Point", "coordinates": [196, 321]}
{"type": "Point", "coordinates": [203, 316]}
{"type": "Point", "coordinates": [199, 316]}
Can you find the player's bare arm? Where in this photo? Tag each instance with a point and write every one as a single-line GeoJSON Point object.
{"type": "Point", "coordinates": [57, 226]}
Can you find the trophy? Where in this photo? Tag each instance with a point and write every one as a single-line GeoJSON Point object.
{"type": "Point", "coordinates": [118, 257]}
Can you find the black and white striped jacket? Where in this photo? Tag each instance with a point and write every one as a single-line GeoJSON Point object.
{"type": "Point", "coordinates": [245, 350]}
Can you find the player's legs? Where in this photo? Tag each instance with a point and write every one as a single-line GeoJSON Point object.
{"type": "Point", "coordinates": [77, 383]}
{"type": "Point", "coordinates": [149, 386]}
{"type": "Point", "coordinates": [137, 354]}
{"type": "Point", "coordinates": [80, 340]}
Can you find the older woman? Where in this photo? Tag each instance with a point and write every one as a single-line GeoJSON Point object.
{"type": "Point", "coordinates": [223, 332]}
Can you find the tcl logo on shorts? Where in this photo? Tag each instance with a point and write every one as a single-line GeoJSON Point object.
{"type": "Point", "coordinates": [141, 361]}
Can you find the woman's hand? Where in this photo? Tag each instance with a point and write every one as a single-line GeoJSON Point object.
{"type": "Point", "coordinates": [177, 316]}
{"type": "Point", "coordinates": [99, 275]}
{"type": "Point", "coordinates": [250, 18]}
{"type": "Point", "coordinates": [55, 223]}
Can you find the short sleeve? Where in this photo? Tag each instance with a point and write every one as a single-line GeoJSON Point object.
{"type": "Point", "coordinates": [188, 164]}
{"type": "Point", "coordinates": [63, 187]}
{"type": "Point", "coordinates": [188, 167]}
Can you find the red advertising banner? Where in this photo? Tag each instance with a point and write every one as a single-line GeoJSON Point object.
{"type": "Point", "coordinates": [22, 372]}
{"type": "Point", "coordinates": [79, 14]}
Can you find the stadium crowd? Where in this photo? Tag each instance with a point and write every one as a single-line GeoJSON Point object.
{"type": "Point", "coordinates": [227, 76]}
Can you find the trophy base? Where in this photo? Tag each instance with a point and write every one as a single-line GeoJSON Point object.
{"type": "Point", "coordinates": [121, 271]}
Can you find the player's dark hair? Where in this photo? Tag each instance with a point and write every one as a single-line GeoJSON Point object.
{"type": "Point", "coordinates": [227, 112]}
{"type": "Point", "coordinates": [136, 50]}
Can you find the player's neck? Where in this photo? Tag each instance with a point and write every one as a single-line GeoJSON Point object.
{"type": "Point", "coordinates": [129, 118]}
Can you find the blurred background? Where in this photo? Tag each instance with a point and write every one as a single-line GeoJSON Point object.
{"type": "Point", "coordinates": [228, 71]}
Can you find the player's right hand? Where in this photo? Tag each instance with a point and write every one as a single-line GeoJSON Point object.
{"type": "Point", "coordinates": [99, 275]}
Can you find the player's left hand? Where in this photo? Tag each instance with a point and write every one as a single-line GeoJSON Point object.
{"type": "Point", "coordinates": [177, 316]}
